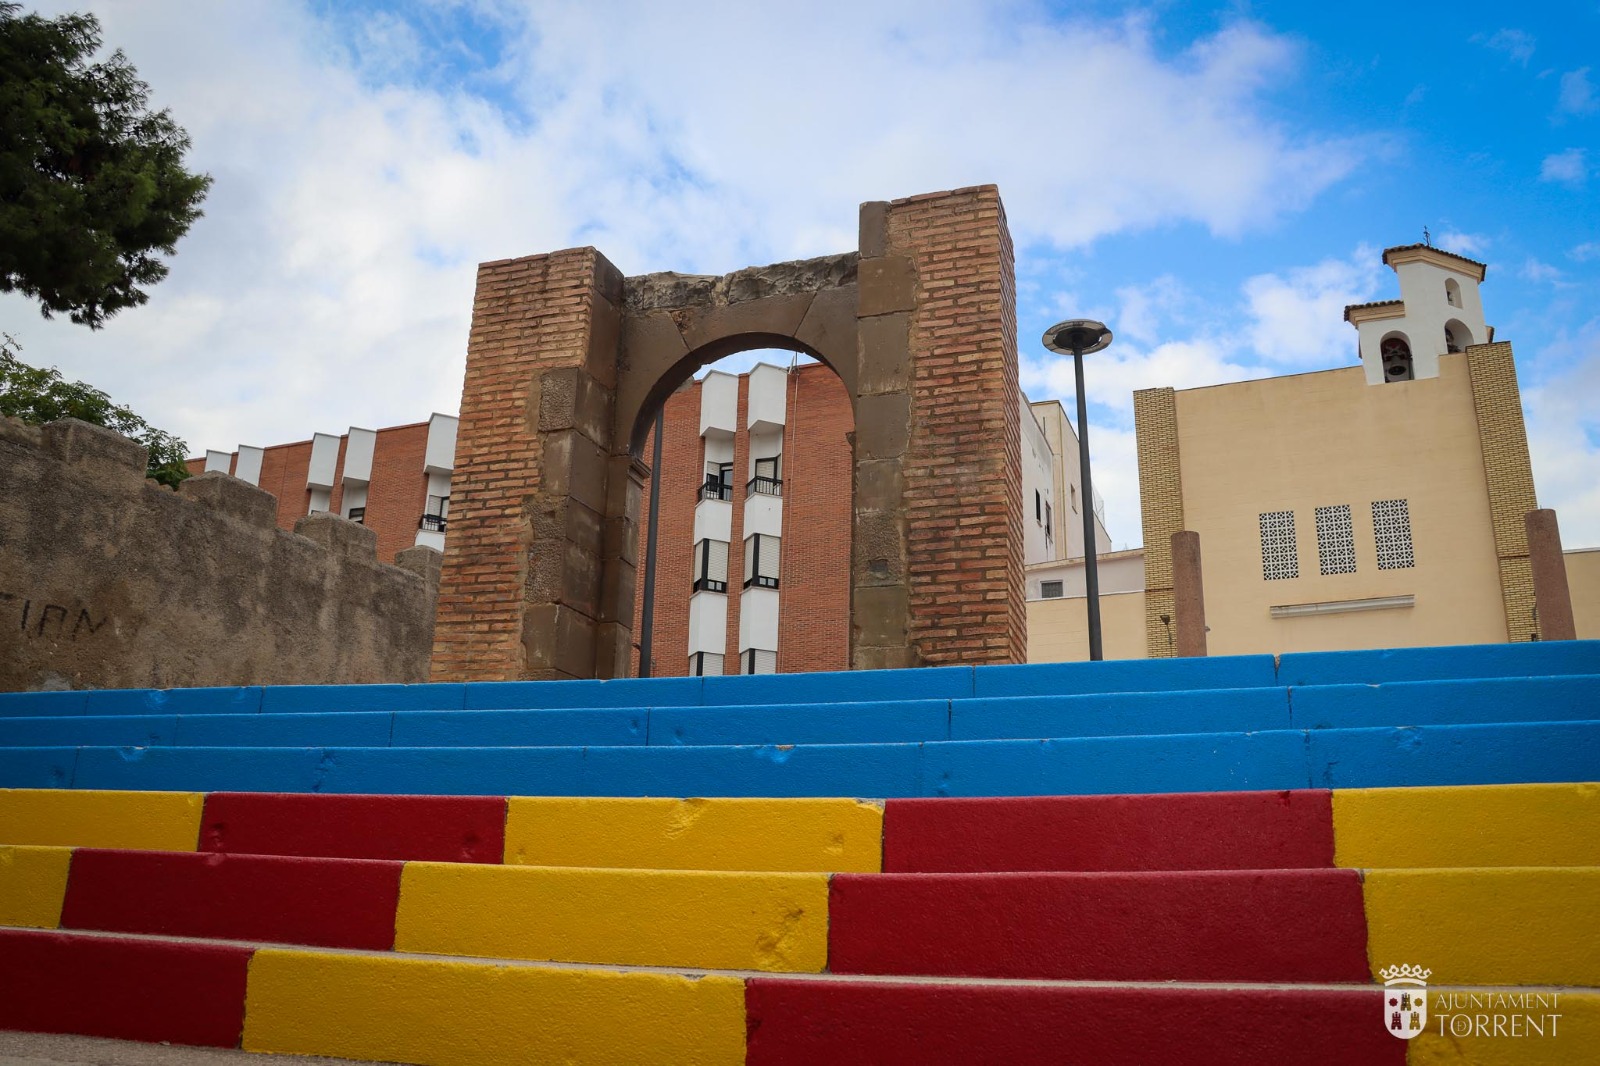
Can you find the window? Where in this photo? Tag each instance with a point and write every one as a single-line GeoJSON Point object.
{"type": "Point", "coordinates": [1073, 489]}
{"type": "Point", "coordinates": [705, 664]}
{"type": "Point", "coordinates": [719, 482]}
{"type": "Point", "coordinates": [766, 481]}
{"type": "Point", "coordinates": [1038, 507]}
{"type": "Point", "coordinates": [436, 514]}
{"type": "Point", "coordinates": [1396, 353]}
{"type": "Point", "coordinates": [1391, 528]}
{"type": "Point", "coordinates": [758, 661]}
{"type": "Point", "coordinates": [711, 566]}
{"type": "Point", "coordinates": [1336, 542]}
{"type": "Point", "coordinates": [1049, 520]}
{"type": "Point", "coordinates": [1050, 590]}
{"type": "Point", "coordinates": [358, 514]}
{"type": "Point", "coordinates": [1452, 292]}
{"type": "Point", "coordinates": [1279, 559]}
{"type": "Point", "coordinates": [761, 560]}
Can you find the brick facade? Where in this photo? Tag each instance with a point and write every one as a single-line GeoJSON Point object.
{"type": "Point", "coordinates": [1155, 420]}
{"type": "Point", "coordinates": [397, 493]}
{"type": "Point", "coordinates": [814, 614]}
{"type": "Point", "coordinates": [1509, 472]}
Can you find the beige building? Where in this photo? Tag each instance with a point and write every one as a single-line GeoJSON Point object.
{"type": "Point", "coordinates": [1378, 505]}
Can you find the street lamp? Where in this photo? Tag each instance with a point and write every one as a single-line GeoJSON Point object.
{"type": "Point", "coordinates": [1081, 336]}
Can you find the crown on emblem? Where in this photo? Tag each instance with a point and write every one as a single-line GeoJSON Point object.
{"type": "Point", "coordinates": [1403, 971]}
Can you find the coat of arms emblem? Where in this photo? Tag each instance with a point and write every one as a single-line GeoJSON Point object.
{"type": "Point", "coordinates": [1405, 1000]}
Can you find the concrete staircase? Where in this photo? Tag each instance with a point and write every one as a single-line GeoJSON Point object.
{"type": "Point", "coordinates": [1182, 861]}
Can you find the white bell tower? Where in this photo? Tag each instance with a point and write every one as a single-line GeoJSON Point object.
{"type": "Point", "coordinates": [1439, 311]}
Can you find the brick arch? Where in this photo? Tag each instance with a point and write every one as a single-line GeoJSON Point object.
{"type": "Point", "coordinates": [568, 360]}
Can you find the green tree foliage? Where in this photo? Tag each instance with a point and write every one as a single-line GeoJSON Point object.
{"type": "Point", "coordinates": [92, 184]}
{"type": "Point", "coordinates": [38, 396]}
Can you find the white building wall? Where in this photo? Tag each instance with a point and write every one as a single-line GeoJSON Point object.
{"type": "Point", "coordinates": [758, 619]}
{"type": "Point", "coordinates": [324, 461]}
{"type": "Point", "coordinates": [358, 447]}
{"type": "Point", "coordinates": [248, 466]}
{"type": "Point", "coordinates": [767, 399]}
{"type": "Point", "coordinates": [719, 404]}
{"type": "Point", "coordinates": [440, 455]}
{"type": "Point", "coordinates": [708, 622]}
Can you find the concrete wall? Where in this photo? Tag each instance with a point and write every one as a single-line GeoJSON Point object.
{"type": "Point", "coordinates": [107, 581]}
{"type": "Point", "coordinates": [1314, 440]}
{"type": "Point", "coordinates": [1058, 630]}
{"type": "Point", "coordinates": [1583, 580]}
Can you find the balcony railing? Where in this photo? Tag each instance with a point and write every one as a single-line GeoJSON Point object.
{"type": "Point", "coordinates": [764, 486]}
{"type": "Point", "coordinates": [716, 489]}
{"type": "Point", "coordinates": [433, 523]}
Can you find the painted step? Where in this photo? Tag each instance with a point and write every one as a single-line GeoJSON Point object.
{"type": "Point", "coordinates": [1483, 825]}
{"type": "Point", "coordinates": [399, 1008]}
{"type": "Point", "coordinates": [1517, 752]}
{"type": "Point", "coordinates": [1575, 697]}
{"type": "Point", "coordinates": [1125, 714]}
{"type": "Point", "coordinates": [1516, 925]}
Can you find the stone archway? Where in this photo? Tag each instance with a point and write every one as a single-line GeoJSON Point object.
{"type": "Point", "coordinates": [568, 360]}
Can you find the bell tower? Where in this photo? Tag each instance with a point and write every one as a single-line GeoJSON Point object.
{"type": "Point", "coordinates": [1439, 311]}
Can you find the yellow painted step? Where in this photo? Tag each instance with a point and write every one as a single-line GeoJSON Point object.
{"type": "Point", "coordinates": [804, 835]}
{"type": "Point", "coordinates": [1510, 926]}
{"type": "Point", "coordinates": [33, 884]}
{"type": "Point", "coordinates": [1467, 825]}
{"type": "Point", "coordinates": [1469, 1037]}
{"type": "Point", "coordinates": [59, 817]}
{"type": "Point", "coordinates": [481, 1014]}
{"type": "Point", "coordinates": [709, 920]}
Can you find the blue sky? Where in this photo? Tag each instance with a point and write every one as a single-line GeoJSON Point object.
{"type": "Point", "coordinates": [1215, 181]}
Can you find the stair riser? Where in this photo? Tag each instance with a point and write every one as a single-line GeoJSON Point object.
{"type": "Point", "coordinates": [1210, 762]}
{"type": "Point", "coordinates": [1471, 826]}
{"type": "Point", "coordinates": [1511, 926]}
{"type": "Point", "coordinates": [1104, 715]}
{"type": "Point", "coordinates": [415, 1010]}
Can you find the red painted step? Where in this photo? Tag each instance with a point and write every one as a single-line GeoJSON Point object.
{"type": "Point", "coordinates": [1256, 925]}
{"type": "Point", "coordinates": [1177, 831]}
{"type": "Point", "coordinates": [425, 828]}
{"type": "Point", "coordinates": [347, 903]}
{"type": "Point", "coordinates": [127, 989]}
{"type": "Point", "coordinates": [800, 1023]}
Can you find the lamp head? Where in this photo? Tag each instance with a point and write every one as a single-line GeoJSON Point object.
{"type": "Point", "coordinates": [1077, 336]}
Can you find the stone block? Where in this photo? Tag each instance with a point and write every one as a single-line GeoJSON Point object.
{"type": "Point", "coordinates": [427, 563]}
{"type": "Point", "coordinates": [621, 540]}
{"type": "Point", "coordinates": [105, 452]}
{"type": "Point", "coordinates": [884, 354]}
{"type": "Point", "coordinates": [613, 650]}
{"type": "Point", "coordinates": [778, 315]}
{"type": "Point", "coordinates": [570, 398]}
{"type": "Point", "coordinates": [899, 657]}
{"type": "Point", "coordinates": [880, 485]}
{"type": "Point", "coordinates": [873, 236]}
{"type": "Point", "coordinates": [230, 496]}
{"type": "Point", "coordinates": [575, 466]}
{"type": "Point", "coordinates": [881, 616]}
{"type": "Point", "coordinates": [888, 284]}
{"type": "Point", "coordinates": [883, 425]}
{"type": "Point", "coordinates": [879, 549]}
{"type": "Point", "coordinates": [829, 330]}
{"type": "Point", "coordinates": [558, 638]}
{"type": "Point", "coordinates": [617, 591]}
{"type": "Point", "coordinates": [342, 537]}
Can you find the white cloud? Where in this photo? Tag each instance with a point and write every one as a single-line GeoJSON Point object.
{"type": "Point", "coordinates": [1586, 251]}
{"type": "Point", "coordinates": [1564, 436]}
{"type": "Point", "coordinates": [1517, 44]}
{"type": "Point", "coordinates": [1468, 244]}
{"type": "Point", "coordinates": [1534, 270]}
{"type": "Point", "coordinates": [1577, 94]}
{"type": "Point", "coordinates": [1297, 318]}
{"type": "Point", "coordinates": [1568, 168]}
{"type": "Point", "coordinates": [357, 186]}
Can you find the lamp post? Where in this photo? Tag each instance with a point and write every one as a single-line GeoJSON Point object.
{"type": "Point", "coordinates": [1080, 336]}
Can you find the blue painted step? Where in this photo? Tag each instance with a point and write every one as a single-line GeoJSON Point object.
{"type": "Point", "coordinates": [1197, 762]}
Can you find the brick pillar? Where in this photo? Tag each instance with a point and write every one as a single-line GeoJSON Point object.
{"type": "Point", "coordinates": [1155, 421]}
{"type": "Point", "coordinates": [539, 509]}
{"type": "Point", "coordinates": [1503, 440]}
{"type": "Point", "coordinates": [937, 575]}
{"type": "Point", "coordinates": [1188, 593]}
{"type": "Point", "coordinates": [1551, 592]}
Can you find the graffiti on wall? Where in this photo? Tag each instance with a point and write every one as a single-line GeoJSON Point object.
{"type": "Point", "coordinates": [38, 618]}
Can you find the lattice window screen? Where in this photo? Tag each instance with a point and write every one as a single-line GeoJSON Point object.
{"type": "Point", "coordinates": [1391, 528]}
{"type": "Point", "coordinates": [1279, 559]}
{"type": "Point", "coordinates": [1336, 540]}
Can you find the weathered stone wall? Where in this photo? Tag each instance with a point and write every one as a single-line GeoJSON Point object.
{"type": "Point", "coordinates": [109, 581]}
